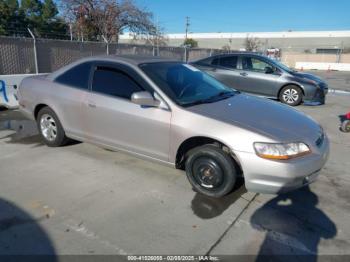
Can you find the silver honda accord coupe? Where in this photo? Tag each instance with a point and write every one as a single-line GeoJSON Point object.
{"type": "Point", "coordinates": [173, 113]}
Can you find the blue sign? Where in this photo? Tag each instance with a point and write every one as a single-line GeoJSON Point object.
{"type": "Point", "coordinates": [3, 90]}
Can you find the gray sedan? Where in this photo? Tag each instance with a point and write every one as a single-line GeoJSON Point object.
{"type": "Point", "coordinates": [173, 113]}
{"type": "Point", "coordinates": [260, 75]}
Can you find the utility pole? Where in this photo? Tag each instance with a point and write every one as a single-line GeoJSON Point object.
{"type": "Point", "coordinates": [187, 26]}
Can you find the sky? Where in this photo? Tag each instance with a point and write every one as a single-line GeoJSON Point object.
{"type": "Point", "coordinates": [250, 15]}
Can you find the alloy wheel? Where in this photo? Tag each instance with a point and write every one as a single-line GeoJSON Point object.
{"type": "Point", "coordinates": [290, 95]}
{"type": "Point", "coordinates": [48, 127]}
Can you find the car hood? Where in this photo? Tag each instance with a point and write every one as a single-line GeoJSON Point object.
{"type": "Point", "coordinates": [272, 119]}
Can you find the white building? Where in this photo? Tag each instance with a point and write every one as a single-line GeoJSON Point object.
{"type": "Point", "coordinates": [302, 41]}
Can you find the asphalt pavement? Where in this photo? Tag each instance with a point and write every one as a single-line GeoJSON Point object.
{"type": "Point", "coordinates": [82, 199]}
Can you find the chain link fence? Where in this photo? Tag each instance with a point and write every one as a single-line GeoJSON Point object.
{"type": "Point", "coordinates": [17, 55]}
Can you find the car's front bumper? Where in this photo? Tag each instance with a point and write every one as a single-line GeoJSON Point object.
{"type": "Point", "coordinates": [318, 96]}
{"type": "Point", "coordinates": [273, 177]}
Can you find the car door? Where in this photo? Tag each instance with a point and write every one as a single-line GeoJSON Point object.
{"type": "Point", "coordinates": [68, 101]}
{"type": "Point", "coordinates": [224, 69]}
{"type": "Point", "coordinates": [114, 120]}
{"type": "Point", "coordinates": [255, 79]}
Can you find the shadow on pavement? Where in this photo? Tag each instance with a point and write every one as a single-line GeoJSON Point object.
{"type": "Point", "coordinates": [208, 207]}
{"type": "Point", "coordinates": [26, 132]}
{"type": "Point", "coordinates": [293, 226]}
{"type": "Point", "coordinates": [21, 234]}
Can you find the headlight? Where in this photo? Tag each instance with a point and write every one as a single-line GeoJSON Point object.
{"type": "Point", "coordinates": [281, 151]}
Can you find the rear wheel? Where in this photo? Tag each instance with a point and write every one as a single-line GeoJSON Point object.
{"type": "Point", "coordinates": [291, 95]}
{"type": "Point", "coordinates": [345, 126]}
{"type": "Point", "coordinates": [210, 170]}
{"type": "Point", "coordinates": [50, 128]}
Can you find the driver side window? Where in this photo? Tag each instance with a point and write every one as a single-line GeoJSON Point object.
{"type": "Point", "coordinates": [114, 82]}
{"type": "Point", "coordinates": [254, 64]}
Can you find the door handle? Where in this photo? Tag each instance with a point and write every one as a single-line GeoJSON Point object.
{"type": "Point", "coordinates": [243, 74]}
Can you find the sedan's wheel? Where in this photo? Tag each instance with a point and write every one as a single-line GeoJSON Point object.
{"type": "Point", "coordinates": [50, 128]}
{"type": "Point", "coordinates": [211, 171]}
{"type": "Point", "coordinates": [291, 95]}
{"type": "Point", "coordinates": [345, 126]}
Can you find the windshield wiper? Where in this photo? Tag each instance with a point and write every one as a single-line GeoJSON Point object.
{"type": "Point", "coordinates": [220, 96]}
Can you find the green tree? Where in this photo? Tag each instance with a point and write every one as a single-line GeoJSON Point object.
{"type": "Point", "coordinates": [32, 10]}
{"type": "Point", "coordinates": [49, 10]}
{"type": "Point", "coordinates": [10, 16]}
{"type": "Point", "coordinates": [52, 26]}
{"type": "Point", "coordinates": [191, 43]}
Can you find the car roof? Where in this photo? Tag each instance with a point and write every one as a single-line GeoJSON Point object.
{"type": "Point", "coordinates": [131, 59]}
{"type": "Point", "coordinates": [233, 53]}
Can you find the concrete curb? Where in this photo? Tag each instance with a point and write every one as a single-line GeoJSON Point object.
{"type": "Point", "coordinates": [338, 92]}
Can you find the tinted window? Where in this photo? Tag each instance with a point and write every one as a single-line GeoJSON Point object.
{"type": "Point", "coordinates": [215, 61]}
{"type": "Point", "coordinates": [77, 76]}
{"type": "Point", "coordinates": [254, 64]}
{"type": "Point", "coordinates": [229, 61]}
{"type": "Point", "coordinates": [206, 61]}
{"type": "Point", "coordinates": [113, 82]}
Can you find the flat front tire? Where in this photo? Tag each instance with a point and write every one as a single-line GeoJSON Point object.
{"type": "Point", "coordinates": [50, 128]}
{"type": "Point", "coordinates": [211, 171]}
{"type": "Point", "coordinates": [291, 95]}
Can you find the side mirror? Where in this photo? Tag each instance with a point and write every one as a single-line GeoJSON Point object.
{"type": "Point", "coordinates": [269, 70]}
{"type": "Point", "coordinates": [144, 98]}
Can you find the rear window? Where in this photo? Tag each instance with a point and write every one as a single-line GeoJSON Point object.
{"type": "Point", "coordinates": [205, 62]}
{"type": "Point", "coordinates": [229, 62]}
{"type": "Point", "coordinates": [78, 76]}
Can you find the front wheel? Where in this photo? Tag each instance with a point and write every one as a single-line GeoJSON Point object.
{"type": "Point", "coordinates": [50, 128]}
{"type": "Point", "coordinates": [211, 171]}
{"type": "Point", "coordinates": [291, 95]}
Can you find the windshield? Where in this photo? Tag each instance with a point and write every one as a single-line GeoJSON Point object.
{"type": "Point", "coordinates": [185, 84]}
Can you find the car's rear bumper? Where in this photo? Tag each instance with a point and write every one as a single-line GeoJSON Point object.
{"type": "Point", "coordinates": [272, 177]}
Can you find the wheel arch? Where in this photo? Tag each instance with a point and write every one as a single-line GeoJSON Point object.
{"type": "Point", "coordinates": [37, 108]}
{"type": "Point", "coordinates": [196, 141]}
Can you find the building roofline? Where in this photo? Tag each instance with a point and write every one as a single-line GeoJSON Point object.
{"type": "Point", "coordinates": [287, 34]}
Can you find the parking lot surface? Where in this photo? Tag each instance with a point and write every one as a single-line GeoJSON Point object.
{"type": "Point", "coordinates": [82, 199]}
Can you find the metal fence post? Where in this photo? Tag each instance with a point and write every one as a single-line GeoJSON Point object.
{"type": "Point", "coordinates": [35, 52]}
{"type": "Point", "coordinates": [106, 41]}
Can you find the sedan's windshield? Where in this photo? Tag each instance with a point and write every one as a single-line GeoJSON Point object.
{"type": "Point", "coordinates": [185, 84]}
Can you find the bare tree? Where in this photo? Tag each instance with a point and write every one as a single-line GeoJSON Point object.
{"type": "Point", "coordinates": [155, 37]}
{"type": "Point", "coordinates": [109, 18]}
{"type": "Point", "coordinates": [252, 44]}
